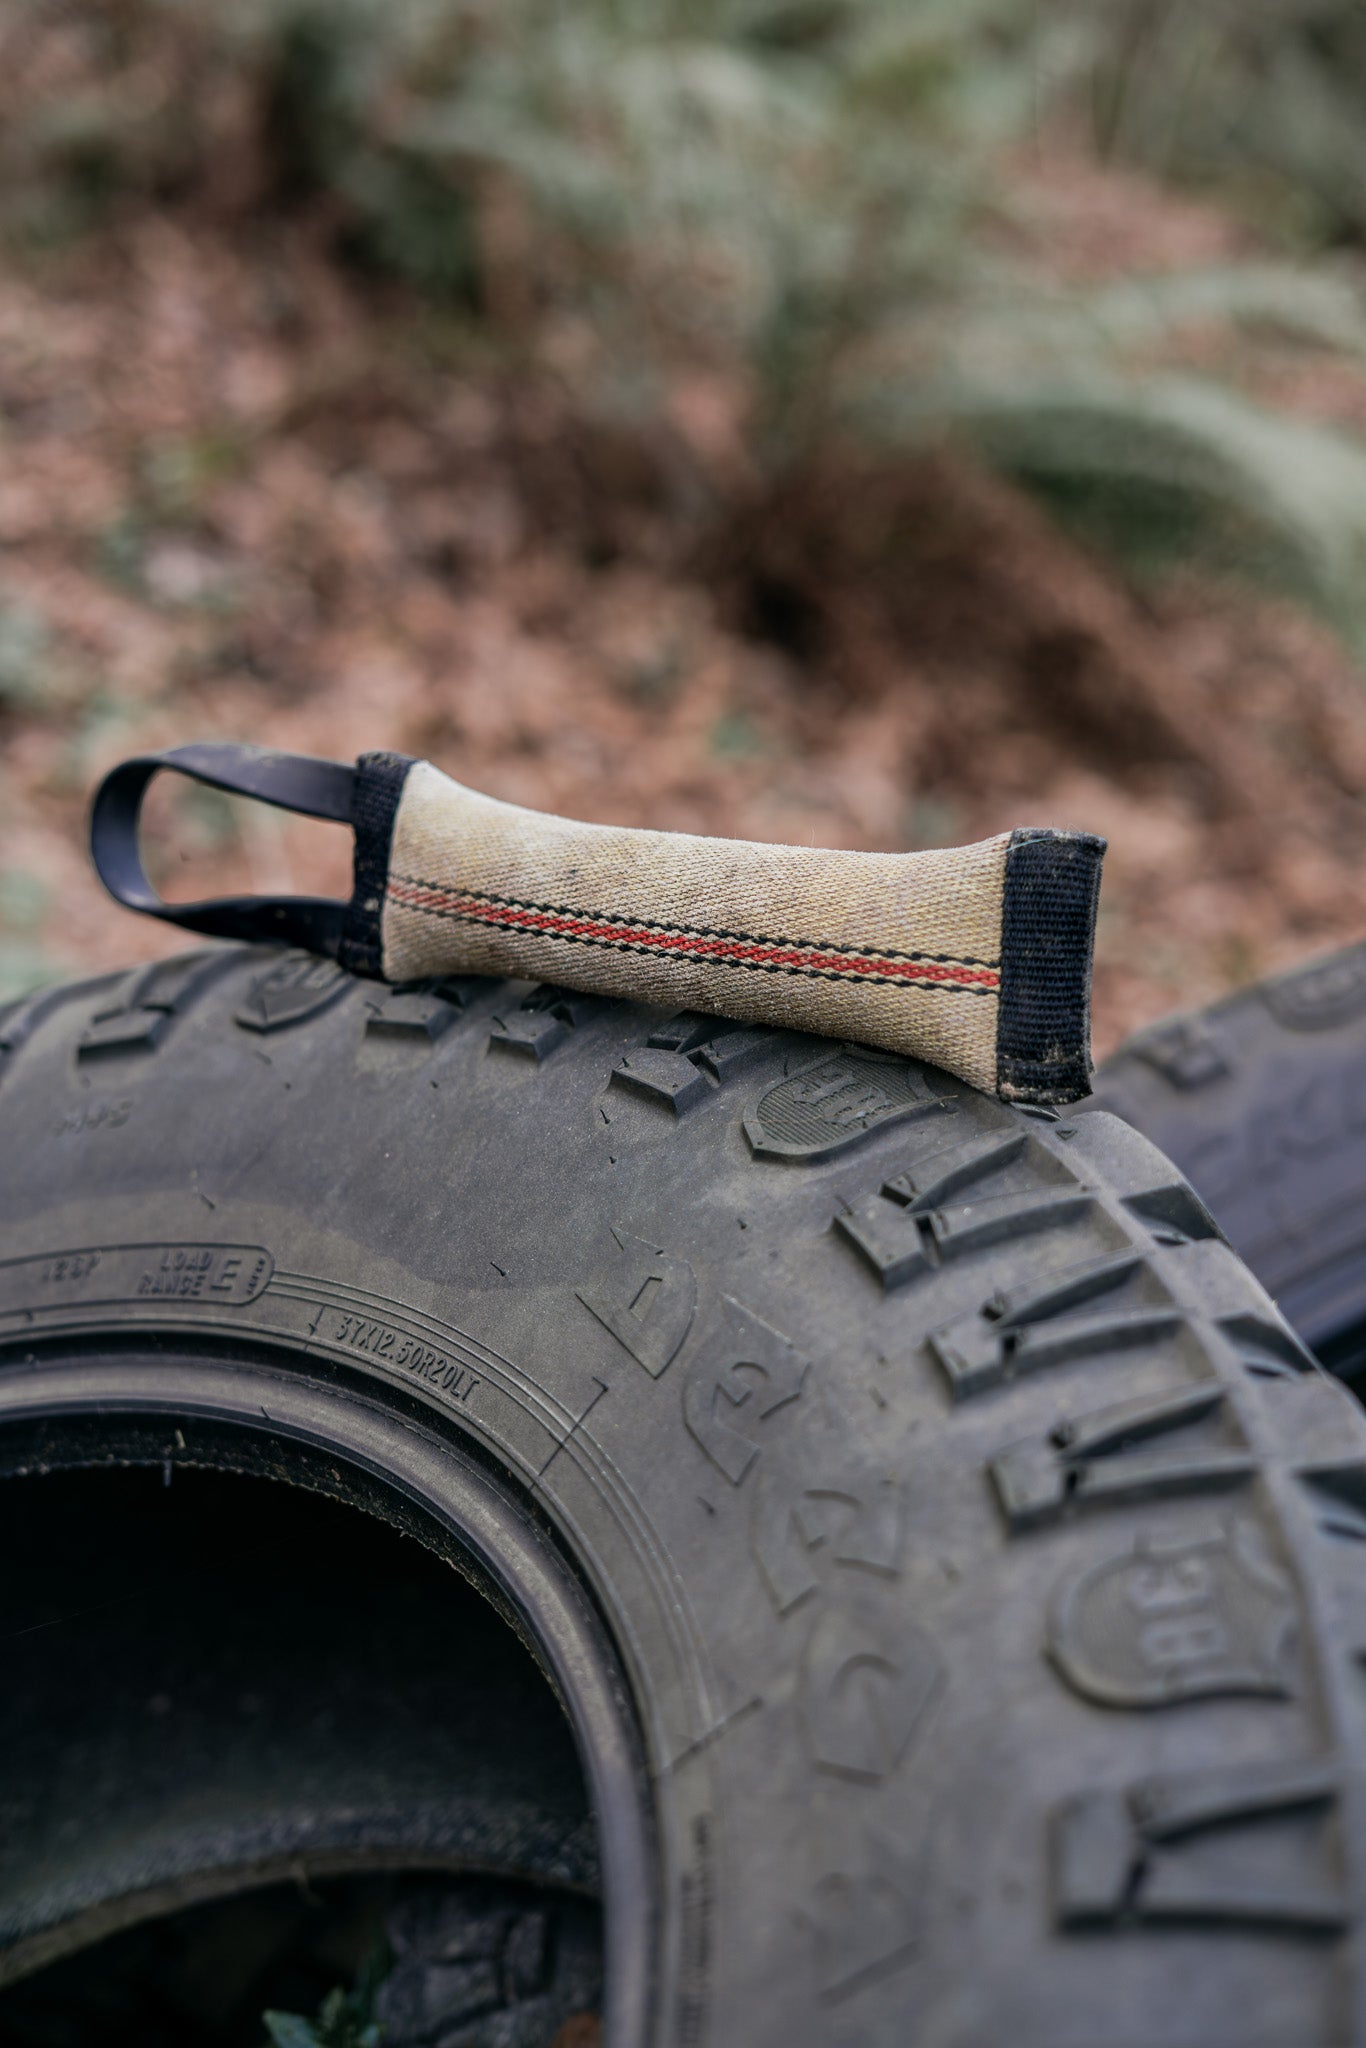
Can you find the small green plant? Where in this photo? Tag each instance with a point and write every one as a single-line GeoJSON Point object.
{"type": "Point", "coordinates": [335, 2027]}
{"type": "Point", "coordinates": [344, 2020]}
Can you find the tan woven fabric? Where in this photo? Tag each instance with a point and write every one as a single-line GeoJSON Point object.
{"type": "Point", "coordinates": [896, 950]}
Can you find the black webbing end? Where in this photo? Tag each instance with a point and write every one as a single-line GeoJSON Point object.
{"type": "Point", "coordinates": [379, 787]}
{"type": "Point", "coordinates": [1048, 923]}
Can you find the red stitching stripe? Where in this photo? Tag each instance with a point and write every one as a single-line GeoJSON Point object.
{"type": "Point", "coordinates": [768, 953]}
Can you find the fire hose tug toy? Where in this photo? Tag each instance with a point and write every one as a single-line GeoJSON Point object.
{"type": "Point", "coordinates": [907, 1573]}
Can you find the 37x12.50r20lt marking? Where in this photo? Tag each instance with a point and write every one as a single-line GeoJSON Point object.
{"type": "Point", "coordinates": [949, 1561]}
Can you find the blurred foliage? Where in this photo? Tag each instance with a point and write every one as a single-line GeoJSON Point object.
{"type": "Point", "coordinates": [26, 960]}
{"type": "Point", "coordinates": [1262, 100]}
{"type": "Point", "coordinates": [810, 198]}
{"type": "Point", "coordinates": [25, 643]}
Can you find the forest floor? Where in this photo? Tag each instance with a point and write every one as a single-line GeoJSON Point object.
{"type": "Point", "coordinates": [246, 493]}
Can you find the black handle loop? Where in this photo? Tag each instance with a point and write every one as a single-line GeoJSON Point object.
{"type": "Point", "coordinates": [292, 782]}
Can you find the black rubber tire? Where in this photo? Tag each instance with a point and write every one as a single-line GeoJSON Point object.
{"type": "Point", "coordinates": [981, 1549]}
{"type": "Point", "coordinates": [1261, 1101]}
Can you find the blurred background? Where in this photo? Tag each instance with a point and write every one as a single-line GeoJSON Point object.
{"type": "Point", "coordinates": [872, 423]}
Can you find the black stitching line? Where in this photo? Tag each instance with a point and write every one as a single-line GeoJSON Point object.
{"type": "Point", "coordinates": [750, 966]}
{"type": "Point", "coordinates": [695, 931]}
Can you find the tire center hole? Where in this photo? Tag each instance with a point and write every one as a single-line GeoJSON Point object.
{"type": "Point", "coordinates": [256, 1748]}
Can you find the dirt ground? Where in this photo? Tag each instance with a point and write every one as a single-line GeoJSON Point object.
{"type": "Point", "coordinates": [244, 494]}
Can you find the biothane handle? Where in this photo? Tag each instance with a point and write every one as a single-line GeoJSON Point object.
{"type": "Point", "coordinates": [292, 782]}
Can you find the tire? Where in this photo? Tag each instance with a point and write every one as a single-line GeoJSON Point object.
{"type": "Point", "coordinates": [1261, 1101]}
{"type": "Point", "coordinates": [948, 1558]}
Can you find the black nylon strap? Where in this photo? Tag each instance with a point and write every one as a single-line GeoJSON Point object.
{"type": "Point", "coordinates": [292, 782]}
{"type": "Point", "coordinates": [1048, 923]}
